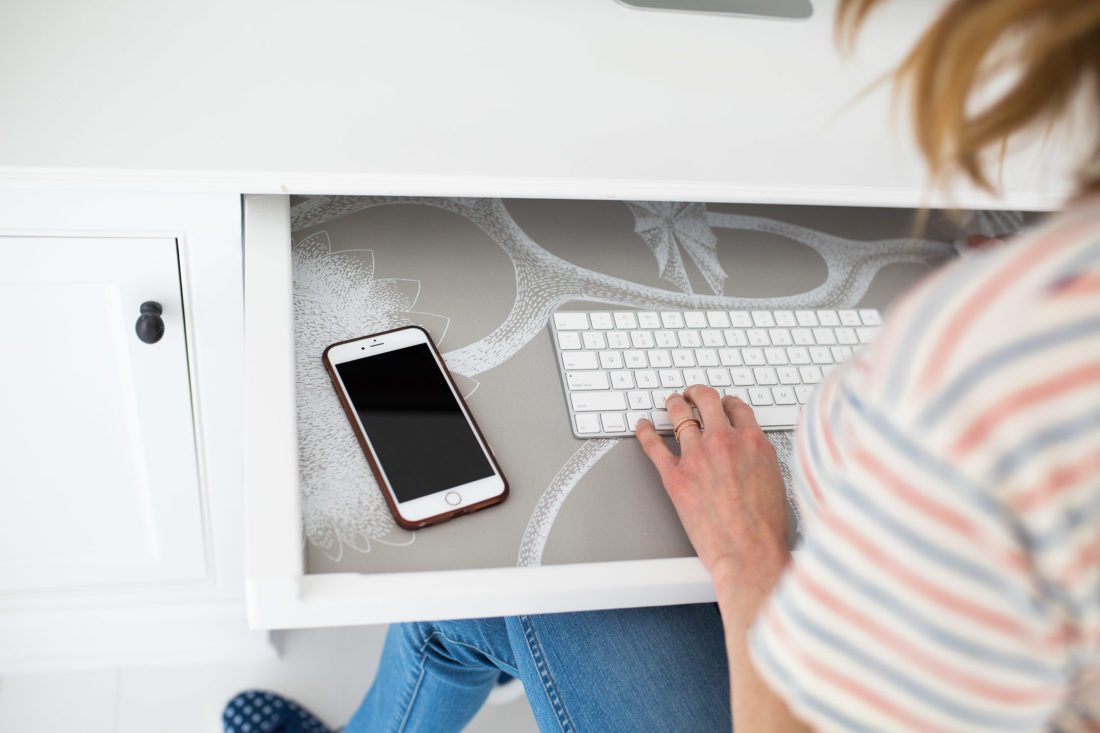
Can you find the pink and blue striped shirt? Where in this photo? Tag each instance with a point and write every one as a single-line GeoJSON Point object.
{"type": "Point", "coordinates": [949, 479]}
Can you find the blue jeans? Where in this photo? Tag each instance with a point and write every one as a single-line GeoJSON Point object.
{"type": "Point", "coordinates": [636, 670]}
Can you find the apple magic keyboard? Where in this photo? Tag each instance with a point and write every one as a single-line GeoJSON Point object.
{"type": "Point", "coordinates": [620, 366]}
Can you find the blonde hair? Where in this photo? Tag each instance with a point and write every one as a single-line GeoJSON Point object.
{"type": "Point", "coordinates": [1050, 49]}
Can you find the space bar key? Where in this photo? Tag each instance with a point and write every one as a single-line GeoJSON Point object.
{"type": "Point", "coordinates": [592, 401]}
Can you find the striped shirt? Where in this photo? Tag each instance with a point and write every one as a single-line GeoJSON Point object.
{"type": "Point", "coordinates": [948, 578]}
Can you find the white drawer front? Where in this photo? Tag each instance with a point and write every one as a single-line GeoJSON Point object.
{"type": "Point", "coordinates": [99, 477]}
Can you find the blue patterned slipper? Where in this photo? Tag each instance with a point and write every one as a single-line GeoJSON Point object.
{"type": "Point", "coordinates": [265, 712]}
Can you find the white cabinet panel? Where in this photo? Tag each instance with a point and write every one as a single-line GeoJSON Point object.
{"type": "Point", "coordinates": [99, 477]}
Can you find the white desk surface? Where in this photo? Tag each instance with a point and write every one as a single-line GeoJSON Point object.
{"type": "Point", "coordinates": [554, 98]}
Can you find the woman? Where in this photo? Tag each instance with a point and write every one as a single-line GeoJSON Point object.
{"type": "Point", "coordinates": [949, 577]}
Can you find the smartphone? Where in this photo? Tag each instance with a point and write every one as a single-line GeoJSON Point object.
{"type": "Point", "coordinates": [429, 456]}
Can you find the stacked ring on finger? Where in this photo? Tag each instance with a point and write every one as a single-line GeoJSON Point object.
{"type": "Point", "coordinates": [682, 424]}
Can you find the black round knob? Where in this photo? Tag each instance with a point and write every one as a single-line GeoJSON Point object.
{"type": "Point", "coordinates": [150, 326]}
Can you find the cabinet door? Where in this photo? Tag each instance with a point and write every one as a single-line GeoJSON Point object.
{"type": "Point", "coordinates": [98, 475]}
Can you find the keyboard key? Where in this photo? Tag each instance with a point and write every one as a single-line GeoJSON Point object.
{"type": "Point", "coordinates": [810, 374]}
{"type": "Point", "coordinates": [579, 360]}
{"type": "Point", "coordinates": [784, 396]}
{"type": "Point", "coordinates": [806, 319]}
{"type": "Point", "coordinates": [730, 357]}
{"type": "Point", "coordinates": [735, 337]}
{"type": "Point", "coordinates": [635, 359]}
{"type": "Point", "coordinates": [785, 319]}
{"type": "Point", "coordinates": [742, 377]}
{"type": "Point", "coordinates": [639, 400]}
{"type": "Point", "coordinates": [659, 358]}
{"type": "Point", "coordinates": [760, 396]}
{"type": "Point", "coordinates": [587, 380]}
{"type": "Point", "coordinates": [849, 318]}
{"type": "Point", "coordinates": [587, 423]}
{"type": "Point", "coordinates": [740, 319]}
{"type": "Point", "coordinates": [672, 319]}
{"type": "Point", "coordinates": [660, 396]}
{"type": "Point", "coordinates": [625, 320]}
{"type": "Point", "coordinates": [671, 378]}
{"type": "Point", "coordinates": [798, 355]}
{"type": "Point", "coordinates": [776, 415]}
{"type": "Point", "coordinates": [642, 339]}
{"type": "Point", "coordinates": [601, 321]}
{"type": "Point", "coordinates": [712, 337]}
{"type": "Point", "coordinates": [753, 357]}
{"type": "Point", "coordinates": [618, 340]}
{"type": "Point", "coordinates": [765, 375]}
{"type": "Point", "coordinates": [594, 340]}
{"type": "Point", "coordinates": [788, 375]}
{"type": "Point", "coordinates": [780, 337]}
{"type": "Point", "coordinates": [706, 357]}
{"type": "Point", "coordinates": [683, 357]}
{"type": "Point", "coordinates": [870, 317]}
{"type": "Point", "coordinates": [803, 336]}
{"type": "Point", "coordinates": [597, 401]}
{"type": "Point", "coordinates": [690, 339]}
{"type": "Point", "coordinates": [661, 420]}
{"type": "Point", "coordinates": [695, 319]}
{"type": "Point", "coordinates": [649, 320]}
{"type": "Point", "coordinates": [611, 360]}
{"type": "Point", "coordinates": [646, 379]}
{"type": "Point", "coordinates": [569, 340]}
{"type": "Point", "coordinates": [841, 353]}
{"type": "Point", "coordinates": [719, 377]}
{"type": "Point", "coordinates": [828, 318]}
{"type": "Point", "coordinates": [821, 355]}
{"type": "Point", "coordinates": [802, 394]}
{"type": "Point", "coordinates": [758, 337]}
{"type": "Point", "coordinates": [847, 336]}
{"type": "Point", "coordinates": [763, 319]}
{"type": "Point", "coordinates": [739, 392]}
{"type": "Point", "coordinates": [775, 356]}
{"type": "Point", "coordinates": [824, 336]}
{"type": "Point", "coordinates": [622, 379]}
{"type": "Point", "coordinates": [695, 376]}
{"type": "Point", "coordinates": [570, 321]}
{"type": "Point", "coordinates": [666, 339]}
{"type": "Point", "coordinates": [613, 422]}
{"type": "Point", "coordinates": [632, 419]}
{"type": "Point", "coordinates": [720, 319]}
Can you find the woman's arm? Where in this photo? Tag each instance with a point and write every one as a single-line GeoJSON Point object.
{"type": "Point", "coordinates": [729, 495]}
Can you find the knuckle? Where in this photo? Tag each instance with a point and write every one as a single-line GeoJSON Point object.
{"type": "Point", "coordinates": [701, 390]}
{"type": "Point", "coordinates": [759, 441]}
{"type": "Point", "coordinates": [723, 440]}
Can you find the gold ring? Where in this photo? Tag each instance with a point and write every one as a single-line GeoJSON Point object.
{"type": "Point", "coordinates": [680, 426]}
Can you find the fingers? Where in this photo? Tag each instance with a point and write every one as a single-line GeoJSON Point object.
{"type": "Point", "coordinates": [709, 404]}
{"type": "Point", "coordinates": [654, 446]}
{"type": "Point", "coordinates": [739, 412]}
{"type": "Point", "coordinates": [681, 414]}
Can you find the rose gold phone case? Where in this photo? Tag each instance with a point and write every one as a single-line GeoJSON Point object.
{"type": "Point", "coordinates": [387, 491]}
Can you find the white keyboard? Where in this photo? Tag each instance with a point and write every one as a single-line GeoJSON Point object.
{"type": "Point", "coordinates": [620, 366]}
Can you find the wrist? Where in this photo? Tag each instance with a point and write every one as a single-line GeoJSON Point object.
{"type": "Point", "coordinates": [743, 583]}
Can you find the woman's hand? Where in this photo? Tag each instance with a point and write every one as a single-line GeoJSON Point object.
{"type": "Point", "coordinates": [726, 487]}
{"type": "Point", "coordinates": [728, 491]}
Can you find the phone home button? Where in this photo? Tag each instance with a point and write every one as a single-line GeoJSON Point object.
{"type": "Point", "coordinates": [453, 498]}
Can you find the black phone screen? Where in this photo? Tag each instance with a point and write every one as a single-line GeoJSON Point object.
{"type": "Point", "coordinates": [415, 424]}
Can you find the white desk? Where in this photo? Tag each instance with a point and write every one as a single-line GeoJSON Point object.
{"type": "Point", "coordinates": [572, 99]}
{"type": "Point", "coordinates": [562, 99]}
